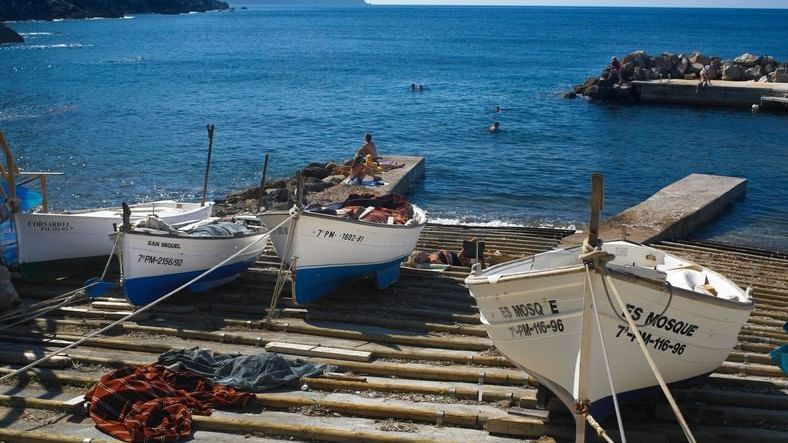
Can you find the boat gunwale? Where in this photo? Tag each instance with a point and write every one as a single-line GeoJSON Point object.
{"type": "Point", "coordinates": [354, 221]}
{"type": "Point", "coordinates": [88, 212]}
{"type": "Point", "coordinates": [180, 237]}
{"type": "Point", "coordinates": [472, 280]}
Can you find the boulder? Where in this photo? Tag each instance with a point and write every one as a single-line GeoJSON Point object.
{"type": "Point", "coordinates": [732, 72]}
{"type": "Point", "coordinates": [627, 70]}
{"type": "Point", "coordinates": [277, 194]}
{"type": "Point", "coordinates": [317, 186]}
{"type": "Point", "coordinates": [570, 94]}
{"type": "Point", "coordinates": [763, 79]}
{"type": "Point", "coordinates": [780, 74]}
{"type": "Point", "coordinates": [334, 179]}
{"type": "Point", "coordinates": [767, 60]}
{"type": "Point", "coordinates": [316, 171]}
{"type": "Point", "coordinates": [748, 60]}
{"type": "Point", "coordinates": [641, 73]}
{"type": "Point", "coordinates": [697, 57]}
{"type": "Point", "coordinates": [662, 64]}
{"type": "Point", "coordinates": [8, 35]}
{"type": "Point", "coordinates": [683, 65]}
{"type": "Point", "coordinates": [638, 58]}
{"type": "Point", "coordinates": [753, 73]}
{"type": "Point", "coordinates": [695, 68]}
{"type": "Point", "coordinates": [768, 69]}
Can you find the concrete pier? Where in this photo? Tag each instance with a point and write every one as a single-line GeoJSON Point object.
{"type": "Point", "coordinates": [719, 93]}
{"type": "Point", "coordinates": [398, 181]}
{"type": "Point", "coordinates": [673, 212]}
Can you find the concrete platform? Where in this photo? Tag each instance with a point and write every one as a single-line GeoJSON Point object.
{"type": "Point", "coordinates": [719, 93]}
{"type": "Point", "coordinates": [398, 181]}
{"type": "Point", "coordinates": [673, 212]}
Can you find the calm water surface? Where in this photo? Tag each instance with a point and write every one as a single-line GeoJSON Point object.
{"type": "Point", "coordinates": [121, 106]}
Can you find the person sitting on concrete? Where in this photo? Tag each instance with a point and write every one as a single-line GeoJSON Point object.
{"type": "Point", "coordinates": [366, 155]}
{"type": "Point", "coordinates": [615, 70]}
{"type": "Point", "coordinates": [494, 127]}
{"type": "Point", "coordinates": [705, 74]}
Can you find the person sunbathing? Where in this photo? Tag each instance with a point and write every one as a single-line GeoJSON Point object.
{"type": "Point", "coordinates": [465, 257]}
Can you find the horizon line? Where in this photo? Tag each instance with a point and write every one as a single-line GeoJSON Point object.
{"type": "Point", "coordinates": [543, 5]}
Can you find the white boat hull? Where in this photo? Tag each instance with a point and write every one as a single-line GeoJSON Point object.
{"type": "Point", "coordinates": [534, 314]}
{"type": "Point", "coordinates": [329, 251]}
{"type": "Point", "coordinates": [54, 245]}
{"type": "Point", "coordinates": [154, 265]}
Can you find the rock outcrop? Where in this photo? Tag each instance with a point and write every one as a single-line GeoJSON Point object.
{"type": "Point", "coordinates": [278, 194]}
{"type": "Point", "coordinates": [640, 66]}
{"type": "Point", "coordinates": [55, 9]}
{"type": "Point", "coordinates": [8, 35]}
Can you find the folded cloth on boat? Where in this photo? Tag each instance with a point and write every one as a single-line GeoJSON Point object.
{"type": "Point", "coordinates": [154, 403]}
{"type": "Point", "coordinates": [220, 229]}
{"type": "Point", "coordinates": [254, 373]}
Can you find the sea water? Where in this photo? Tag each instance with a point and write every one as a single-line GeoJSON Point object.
{"type": "Point", "coordinates": [121, 106]}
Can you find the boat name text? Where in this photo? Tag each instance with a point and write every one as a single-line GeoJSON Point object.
{"type": "Point", "coordinates": [164, 244]}
{"type": "Point", "coordinates": [51, 226]}
{"type": "Point", "coordinates": [325, 233]}
{"type": "Point", "coordinates": [526, 310]}
{"type": "Point", "coordinates": [539, 327]}
{"type": "Point", "coordinates": [655, 320]}
{"type": "Point", "coordinates": [164, 261]}
{"type": "Point", "coordinates": [658, 343]}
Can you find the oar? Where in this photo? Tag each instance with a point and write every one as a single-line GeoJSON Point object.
{"type": "Point", "coordinates": [207, 165]}
{"type": "Point", "coordinates": [260, 200]}
{"type": "Point", "coordinates": [597, 199]}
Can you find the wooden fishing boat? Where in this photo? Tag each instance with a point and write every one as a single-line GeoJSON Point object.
{"type": "Point", "coordinates": [49, 245]}
{"type": "Point", "coordinates": [53, 245]}
{"type": "Point", "coordinates": [156, 258]}
{"type": "Point", "coordinates": [328, 246]}
{"type": "Point", "coordinates": [540, 312]}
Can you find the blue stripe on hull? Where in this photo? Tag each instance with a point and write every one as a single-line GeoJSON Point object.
{"type": "Point", "coordinates": [314, 283]}
{"type": "Point", "coordinates": [143, 290]}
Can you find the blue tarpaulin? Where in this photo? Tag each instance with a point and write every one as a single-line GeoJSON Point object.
{"type": "Point", "coordinates": [29, 199]}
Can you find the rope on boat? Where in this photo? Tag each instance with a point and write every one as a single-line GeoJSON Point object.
{"type": "Point", "coordinates": [599, 259]}
{"type": "Point", "coordinates": [142, 309]}
{"type": "Point", "coordinates": [616, 407]}
{"type": "Point", "coordinates": [280, 278]}
{"type": "Point", "coordinates": [600, 431]}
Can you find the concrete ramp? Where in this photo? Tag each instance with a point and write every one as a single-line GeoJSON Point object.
{"type": "Point", "coordinates": [398, 181]}
{"type": "Point", "coordinates": [673, 212]}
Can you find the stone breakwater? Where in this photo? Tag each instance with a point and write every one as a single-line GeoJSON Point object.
{"type": "Point", "coordinates": [641, 66]}
{"type": "Point", "coordinates": [77, 9]}
{"type": "Point", "coordinates": [278, 193]}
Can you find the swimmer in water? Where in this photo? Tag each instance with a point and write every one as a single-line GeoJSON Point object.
{"type": "Point", "coordinates": [494, 127]}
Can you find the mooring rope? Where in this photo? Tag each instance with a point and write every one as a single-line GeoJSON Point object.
{"type": "Point", "coordinates": [144, 308]}
{"type": "Point", "coordinates": [665, 390]}
{"type": "Point", "coordinates": [280, 278]}
{"type": "Point", "coordinates": [604, 355]}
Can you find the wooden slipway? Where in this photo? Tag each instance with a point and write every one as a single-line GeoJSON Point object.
{"type": "Point", "coordinates": [415, 363]}
{"type": "Point", "coordinates": [673, 212]}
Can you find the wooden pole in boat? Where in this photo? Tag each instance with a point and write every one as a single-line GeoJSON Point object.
{"type": "Point", "coordinates": [11, 172]}
{"type": "Point", "coordinates": [207, 165]}
{"type": "Point", "coordinates": [299, 188]}
{"type": "Point", "coordinates": [597, 198]}
{"type": "Point", "coordinates": [260, 197]}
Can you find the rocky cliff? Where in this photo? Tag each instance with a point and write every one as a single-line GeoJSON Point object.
{"type": "Point", "coordinates": [8, 35]}
{"type": "Point", "coordinates": [54, 9]}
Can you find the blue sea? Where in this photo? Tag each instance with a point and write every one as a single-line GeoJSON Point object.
{"type": "Point", "coordinates": [121, 106]}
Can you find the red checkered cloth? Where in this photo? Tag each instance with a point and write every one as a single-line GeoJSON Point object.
{"type": "Point", "coordinates": [154, 403]}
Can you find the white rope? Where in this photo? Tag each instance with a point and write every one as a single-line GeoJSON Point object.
{"type": "Point", "coordinates": [654, 369]}
{"type": "Point", "coordinates": [280, 278]}
{"type": "Point", "coordinates": [604, 354]}
{"type": "Point", "coordinates": [600, 432]}
{"type": "Point", "coordinates": [144, 308]}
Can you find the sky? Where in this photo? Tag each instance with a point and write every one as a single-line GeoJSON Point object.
{"type": "Point", "coordinates": [655, 3]}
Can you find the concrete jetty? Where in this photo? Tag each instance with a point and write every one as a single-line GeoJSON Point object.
{"type": "Point", "coordinates": [719, 93]}
{"type": "Point", "coordinates": [398, 181]}
{"type": "Point", "coordinates": [673, 212]}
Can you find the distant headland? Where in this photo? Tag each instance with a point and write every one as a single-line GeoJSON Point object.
{"type": "Point", "coordinates": [16, 10]}
{"type": "Point", "coordinates": [7, 35]}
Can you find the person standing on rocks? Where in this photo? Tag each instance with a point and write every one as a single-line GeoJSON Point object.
{"type": "Point", "coordinates": [615, 69]}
